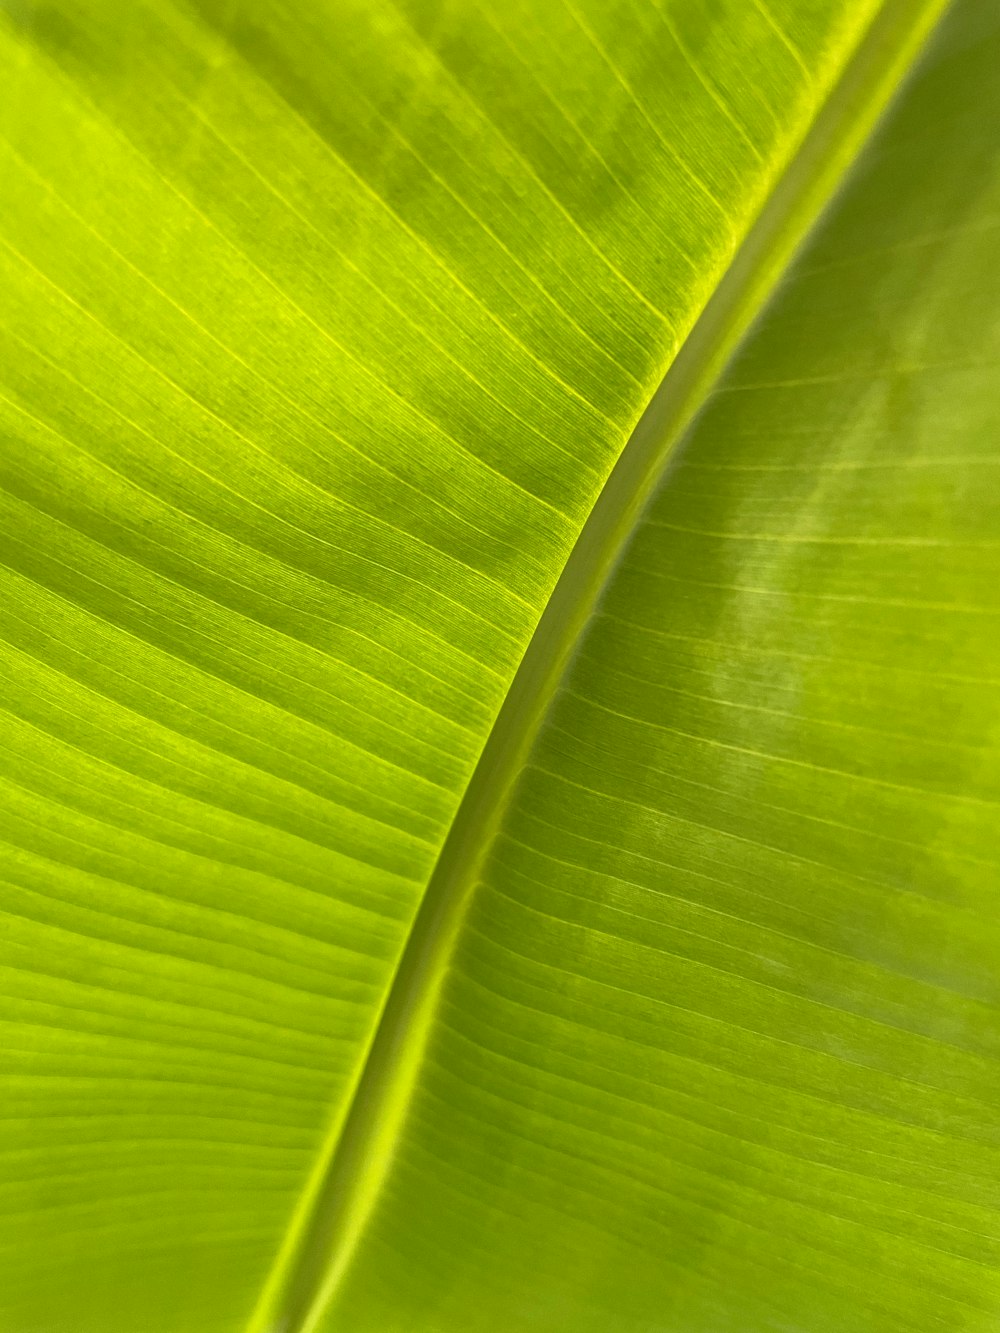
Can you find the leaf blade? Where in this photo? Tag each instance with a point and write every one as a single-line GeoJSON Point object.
{"type": "Point", "coordinates": [719, 1040]}
{"type": "Point", "coordinates": [210, 412]}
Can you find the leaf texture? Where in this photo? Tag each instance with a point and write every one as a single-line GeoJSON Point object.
{"type": "Point", "coordinates": [323, 328]}
{"type": "Point", "coordinates": [718, 1043]}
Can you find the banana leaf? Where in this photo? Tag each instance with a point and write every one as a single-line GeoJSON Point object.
{"type": "Point", "coordinates": [500, 576]}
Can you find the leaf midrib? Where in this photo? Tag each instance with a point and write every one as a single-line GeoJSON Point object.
{"type": "Point", "coordinates": [346, 1180]}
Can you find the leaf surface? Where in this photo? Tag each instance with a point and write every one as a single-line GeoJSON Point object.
{"type": "Point", "coordinates": [324, 327]}
{"type": "Point", "coordinates": [717, 1045]}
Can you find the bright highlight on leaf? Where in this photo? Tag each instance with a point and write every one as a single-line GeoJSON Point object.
{"type": "Point", "coordinates": [500, 577]}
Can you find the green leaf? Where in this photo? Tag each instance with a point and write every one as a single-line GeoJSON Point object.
{"type": "Point", "coordinates": [500, 724]}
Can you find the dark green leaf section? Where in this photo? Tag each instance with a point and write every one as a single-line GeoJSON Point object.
{"type": "Point", "coordinates": [719, 1045]}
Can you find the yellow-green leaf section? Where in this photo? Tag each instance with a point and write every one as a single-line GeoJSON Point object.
{"type": "Point", "coordinates": [401, 935]}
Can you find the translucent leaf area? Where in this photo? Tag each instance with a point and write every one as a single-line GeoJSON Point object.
{"type": "Point", "coordinates": [324, 324]}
